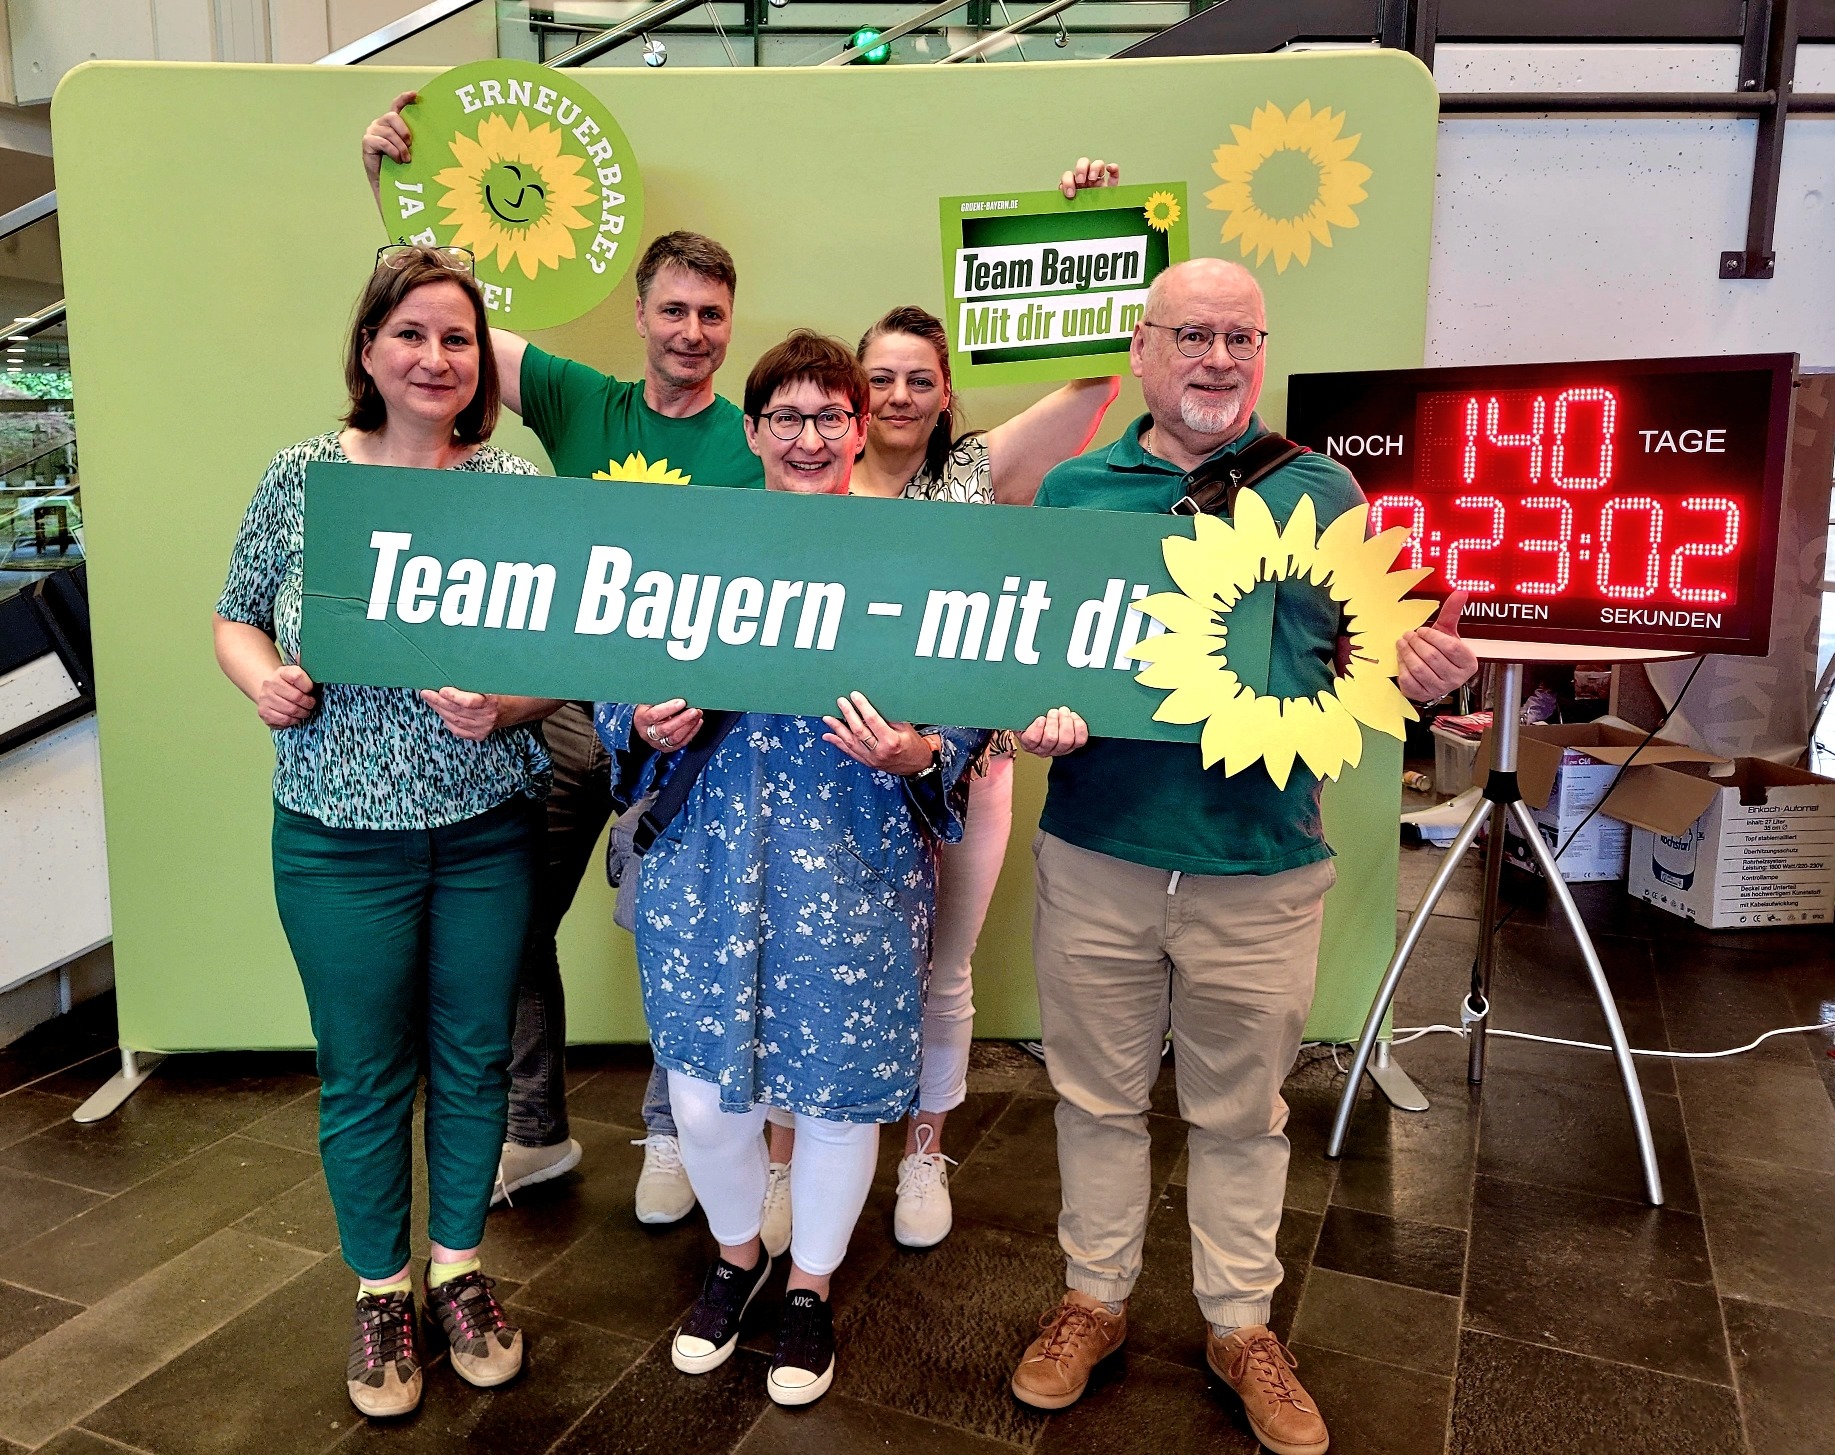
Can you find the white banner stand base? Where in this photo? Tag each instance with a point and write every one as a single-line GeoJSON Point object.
{"type": "Point", "coordinates": [136, 1066]}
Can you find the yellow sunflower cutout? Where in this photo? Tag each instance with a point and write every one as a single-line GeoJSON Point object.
{"type": "Point", "coordinates": [516, 194]}
{"type": "Point", "coordinates": [1220, 565]}
{"type": "Point", "coordinates": [636, 467]}
{"type": "Point", "coordinates": [1162, 211]}
{"type": "Point", "coordinates": [1287, 181]}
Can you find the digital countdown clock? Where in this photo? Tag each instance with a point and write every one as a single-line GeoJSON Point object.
{"type": "Point", "coordinates": [1629, 504]}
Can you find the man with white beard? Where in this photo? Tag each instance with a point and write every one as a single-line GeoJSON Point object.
{"type": "Point", "coordinates": [1170, 895]}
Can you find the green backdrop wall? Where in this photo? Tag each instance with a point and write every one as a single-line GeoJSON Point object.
{"type": "Point", "coordinates": [216, 229]}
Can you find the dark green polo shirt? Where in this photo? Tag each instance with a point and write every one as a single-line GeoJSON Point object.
{"type": "Point", "coordinates": [1156, 803]}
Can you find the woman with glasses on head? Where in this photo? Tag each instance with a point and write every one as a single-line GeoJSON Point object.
{"type": "Point", "coordinates": [406, 825]}
{"type": "Point", "coordinates": [783, 922]}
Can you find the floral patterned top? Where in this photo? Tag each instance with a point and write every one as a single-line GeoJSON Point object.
{"type": "Point", "coordinates": [965, 476]}
{"type": "Point", "coordinates": [784, 916]}
{"type": "Point", "coordinates": [968, 479]}
{"type": "Point", "coordinates": [367, 757]}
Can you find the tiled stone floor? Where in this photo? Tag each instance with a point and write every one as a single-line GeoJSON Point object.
{"type": "Point", "coordinates": [1482, 1278]}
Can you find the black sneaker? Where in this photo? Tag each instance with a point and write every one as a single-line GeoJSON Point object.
{"type": "Point", "coordinates": [384, 1372]}
{"type": "Point", "coordinates": [805, 1362]}
{"type": "Point", "coordinates": [710, 1333]}
{"type": "Point", "coordinates": [486, 1347]}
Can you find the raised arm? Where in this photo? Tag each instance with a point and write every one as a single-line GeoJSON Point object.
{"type": "Point", "coordinates": [508, 349]}
{"type": "Point", "coordinates": [1058, 427]}
{"type": "Point", "coordinates": [387, 136]}
{"type": "Point", "coordinates": [1063, 423]}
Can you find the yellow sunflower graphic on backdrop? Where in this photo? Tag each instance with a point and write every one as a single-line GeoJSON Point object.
{"type": "Point", "coordinates": [1224, 562]}
{"type": "Point", "coordinates": [1287, 181]}
{"type": "Point", "coordinates": [516, 194]}
{"type": "Point", "coordinates": [1162, 211]}
{"type": "Point", "coordinates": [636, 467]}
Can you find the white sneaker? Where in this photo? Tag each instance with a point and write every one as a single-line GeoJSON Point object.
{"type": "Point", "coordinates": [519, 1167]}
{"type": "Point", "coordinates": [776, 1227]}
{"type": "Point", "coordinates": [923, 1216]}
{"type": "Point", "coordinates": [663, 1193]}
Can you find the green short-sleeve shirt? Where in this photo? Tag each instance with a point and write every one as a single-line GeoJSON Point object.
{"type": "Point", "coordinates": [597, 427]}
{"type": "Point", "coordinates": [1156, 803]}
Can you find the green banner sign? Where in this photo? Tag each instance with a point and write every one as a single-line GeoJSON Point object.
{"type": "Point", "coordinates": [526, 167]}
{"type": "Point", "coordinates": [750, 599]}
{"type": "Point", "coordinates": [1038, 286]}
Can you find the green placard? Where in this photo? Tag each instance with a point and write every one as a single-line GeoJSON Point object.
{"type": "Point", "coordinates": [527, 168]}
{"type": "Point", "coordinates": [741, 599]}
{"type": "Point", "coordinates": [1040, 286]}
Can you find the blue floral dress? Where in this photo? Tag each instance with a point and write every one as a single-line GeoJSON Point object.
{"type": "Point", "coordinates": [784, 916]}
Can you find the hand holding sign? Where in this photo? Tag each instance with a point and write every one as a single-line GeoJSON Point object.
{"type": "Point", "coordinates": [1432, 659]}
{"type": "Point", "coordinates": [1055, 733]}
{"type": "Point", "coordinates": [866, 737]}
{"type": "Point", "coordinates": [285, 699]}
{"type": "Point", "coordinates": [1088, 173]}
{"type": "Point", "coordinates": [667, 725]}
{"type": "Point", "coordinates": [387, 136]}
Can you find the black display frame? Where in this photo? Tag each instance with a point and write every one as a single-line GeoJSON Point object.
{"type": "Point", "coordinates": [1312, 399]}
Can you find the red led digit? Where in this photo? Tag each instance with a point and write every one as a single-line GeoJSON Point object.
{"type": "Point", "coordinates": [1417, 519]}
{"type": "Point", "coordinates": [1470, 471]}
{"type": "Point", "coordinates": [1707, 550]}
{"type": "Point", "coordinates": [1558, 546]}
{"type": "Point", "coordinates": [1530, 440]}
{"type": "Point", "coordinates": [1477, 585]}
{"type": "Point", "coordinates": [1608, 426]}
{"type": "Point", "coordinates": [1653, 558]}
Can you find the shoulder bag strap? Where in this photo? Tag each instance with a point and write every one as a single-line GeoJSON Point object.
{"type": "Point", "coordinates": [673, 794]}
{"type": "Point", "coordinates": [1211, 488]}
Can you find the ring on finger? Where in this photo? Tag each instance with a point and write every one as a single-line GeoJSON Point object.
{"type": "Point", "coordinates": [662, 739]}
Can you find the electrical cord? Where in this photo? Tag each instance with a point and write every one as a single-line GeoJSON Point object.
{"type": "Point", "coordinates": [1649, 738]}
{"type": "Point", "coordinates": [1405, 1034]}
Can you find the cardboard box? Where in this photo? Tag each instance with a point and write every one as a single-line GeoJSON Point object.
{"type": "Point", "coordinates": [1565, 770]}
{"type": "Point", "coordinates": [1751, 847]}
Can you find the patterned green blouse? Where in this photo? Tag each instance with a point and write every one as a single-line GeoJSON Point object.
{"type": "Point", "coordinates": [367, 757]}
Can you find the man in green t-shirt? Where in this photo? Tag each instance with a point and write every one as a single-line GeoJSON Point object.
{"type": "Point", "coordinates": [668, 427]}
{"type": "Point", "coordinates": [1172, 896]}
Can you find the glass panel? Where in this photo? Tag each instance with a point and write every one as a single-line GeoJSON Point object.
{"type": "Point", "coordinates": [470, 35]}
{"type": "Point", "coordinates": [807, 32]}
{"type": "Point", "coordinates": [41, 517]}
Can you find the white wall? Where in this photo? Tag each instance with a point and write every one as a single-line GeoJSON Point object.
{"type": "Point", "coordinates": [51, 36]}
{"type": "Point", "coordinates": [1576, 237]}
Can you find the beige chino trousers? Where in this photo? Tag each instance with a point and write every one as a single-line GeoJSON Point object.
{"type": "Point", "coordinates": [1122, 952]}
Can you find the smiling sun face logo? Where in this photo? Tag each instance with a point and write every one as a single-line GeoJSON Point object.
{"type": "Point", "coordinates": [515, 194]}
{"type": "Point", "coordinates": [1222, 563]}
{"type": "Point", "coordinates": [1288, 180]}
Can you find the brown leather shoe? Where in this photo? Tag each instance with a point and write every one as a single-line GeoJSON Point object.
{"type": "Point", "coordinates": [1261, 1370]}
{"type": "Point", "coordinates": [1075, 1336]}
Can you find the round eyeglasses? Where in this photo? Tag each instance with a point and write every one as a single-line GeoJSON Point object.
{"type": "Point", "coordinates": [396, 255]}
{"type": "Point", "coordinates": [787, 424]}
{"type": "Point", "coordinates": [1194, 340]}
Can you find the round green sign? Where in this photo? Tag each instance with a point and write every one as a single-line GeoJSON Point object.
{"type": "Point", "coordinates": [526, 168]}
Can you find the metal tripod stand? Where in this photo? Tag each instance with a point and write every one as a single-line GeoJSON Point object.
{"type": "Point", "coordinates": [1501, 798]}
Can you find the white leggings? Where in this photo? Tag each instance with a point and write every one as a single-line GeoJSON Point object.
{"type": "Point", "coordinates": [724, 1155]}
{"type": "Point", "coordinates": [965, 888]}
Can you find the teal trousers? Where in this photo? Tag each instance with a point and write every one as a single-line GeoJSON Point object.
{"type": "Point", "coordinates": [408, 943]}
